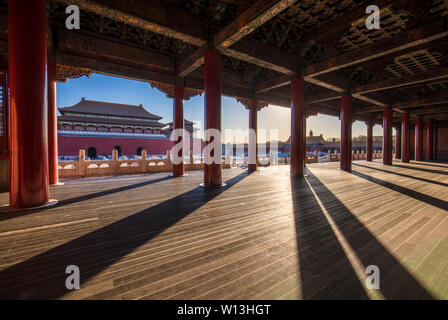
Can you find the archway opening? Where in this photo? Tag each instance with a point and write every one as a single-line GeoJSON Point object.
{"type": "Point", "coordinates": [118, 148]}
{"type": "Point", "coordinates": [91, 152]}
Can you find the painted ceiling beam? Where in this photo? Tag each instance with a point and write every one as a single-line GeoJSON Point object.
{"type": "Point", "coordinates": [413, 38]}
{"type": "Point", "coordinates": [151, 16]}
{"type": "Point", "coordinates": [410, 80]}
{"type": "Point", "coordinates": [95, 47]}
{"type": "Point", "coordinates": [155, 18]}
{"type": "Point", "coordinates": [258, 14]}
{"type": "Point", "coordinates": [254, 17]}
{"type": "Point", "coordinates": [413, 103]}
{"type": "Point", "coordinates": [113, 68]}
{"type": "Point", "coordinates": [333, 28]}
{"type": "Point", "coordinates": [422, 102]}
{"type": "Point", "coordinates": [430, 111]}
{"type": "Point", "coordinates": [380, 101]}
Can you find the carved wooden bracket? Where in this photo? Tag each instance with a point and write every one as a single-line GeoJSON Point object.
{"type": "Point", "coordinates": [63, 73]}
{"type": "Point", "coordinates": [310, 114]}
{"type": "Point", "coordinates": [168, 89]}
{"type": "Point", "coordinates": [247, 103]}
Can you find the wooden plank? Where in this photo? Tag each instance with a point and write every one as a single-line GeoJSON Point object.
{"type": "Point", "coordinates": [173, 240]}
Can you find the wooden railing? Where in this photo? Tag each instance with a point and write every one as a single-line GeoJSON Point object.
{"type": "Point", "coordinates": [96, 168]}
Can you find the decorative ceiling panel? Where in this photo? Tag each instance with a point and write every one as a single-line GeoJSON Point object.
{"type": "Point", "coordinates": [287, 29]}
{"type": "Point", "coordinates": [308, 14]}
{"type": "Point", "coordinates": [413, 63]}
{"type": "Point", "coordinates": [356, 76]}
{"type": "Point", "coordinates": [359, 36]}
{"type": "Point", "coordinates": [222, 12]}
{"type": "Point", "coordinates": [439, 7]}
{"type": "Point", "coordinates": [437, 86]}
{"type": "Point", "coordinates": [122, 32]}
{"type": "Point", "coordinates": [247, 70]}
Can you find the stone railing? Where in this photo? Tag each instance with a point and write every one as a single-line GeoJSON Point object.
{"type": "Point", "coordinates": [335, 156]}
{"type": "Point", "coordinates": [96, 168]}
{"type": "Point", "coordinates": [357, 155]}
{"type": "Point", "coordinates": [312, 158]}
{"type": "Point", "coordinates": [262, 161]}
{"type": "Point", "coordinates": [362, 154]}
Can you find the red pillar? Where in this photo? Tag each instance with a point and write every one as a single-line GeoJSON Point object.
{"type": "Point", "coordinates": [253, 125]}
{"type": "Point", "coordinates": [297, 127]}
{"type": "Point", "coordinates": [304, 141]}
{"type": "Point", "coordinates": [369, 140]}
{"type": "Point", "coordinates": [212, 90]}
{"type": "Point", "coordinates": [28, 114]}
{"type": "Point", "coordinates": [405, 131]}
{"type": "Point", "coordinates": [387, 136]}
{"type": "Point", "coordinates": [429, 140]}
{"type": "Point", "coordinates": [178, 123]}
{"type": "Point", "coordinates": [346, 133]}
{"type": "Point", "coordinates": [398, 142]}
{"type": "Point", "coordinates": [434, 142]}
{"type": "Point", "coordinates": [419, 139]}
{"type": "Point", "coordinates": [52, 125]}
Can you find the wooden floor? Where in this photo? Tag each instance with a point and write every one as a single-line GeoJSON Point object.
{"type": "Point", "coordinates": [265, 236]}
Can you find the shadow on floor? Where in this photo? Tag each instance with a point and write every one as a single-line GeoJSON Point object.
{"type": "Point", "coordinates": [325, 270]}
{"type": "Point", "coordinates": [441, 204]}
{"type": "Point", "coordinates": [368, 249]}
{"type": "Point", "coordinates": [43, 276]}
{"type": "Point", "coordinates": [421, 169]}
{"type": "Point", "coordinates": [431, 164]}
{"type": "Point", "coordinates": [12, 215]}
{"type": "Point", "coordinates": [403, 175]}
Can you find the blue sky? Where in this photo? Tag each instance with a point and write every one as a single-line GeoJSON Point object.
{"type": "Point", "coordinates": [234, 115]}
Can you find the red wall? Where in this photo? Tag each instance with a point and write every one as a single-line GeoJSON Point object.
{"type": "Point", "coordinates": [70, 146]}
{"type": "Point", "coordinates": [412, 143]}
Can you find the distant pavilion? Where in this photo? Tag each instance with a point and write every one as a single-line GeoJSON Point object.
{"type": "Point", "coordinates": [102, 126]}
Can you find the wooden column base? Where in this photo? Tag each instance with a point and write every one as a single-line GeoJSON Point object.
{"type": "Point", "coordinates": [7, 209]}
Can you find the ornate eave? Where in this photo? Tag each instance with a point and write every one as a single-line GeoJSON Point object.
{"type": "Point", "coordinates": [63, 73]}
{"type": "Point", "coordinates": [168, 89]}
{"type": "Point", "coordinates": [248, 105]}
{"type": "Point", "coordinates": [311, 114]}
